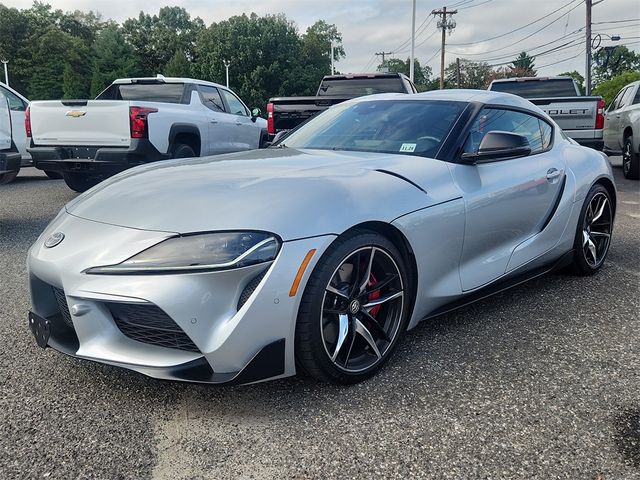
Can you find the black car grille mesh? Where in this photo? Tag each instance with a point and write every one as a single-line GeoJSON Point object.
{"type": "Point", "coordinates": [149, 324]}
{"type": "Point", "coordinates": [250, 288]}
{"type": "Point", "coordinates": [61, 299]}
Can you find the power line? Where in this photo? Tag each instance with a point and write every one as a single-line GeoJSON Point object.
{"type": "Point", "coordinates": [527, 25]}
{"type": "Point", "coordinates": [476, 5]}
{"type": "Point", "coordinates": [618, 21]}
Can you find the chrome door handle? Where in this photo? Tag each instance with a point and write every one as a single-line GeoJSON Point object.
{"type": "Point", "coordinates": [553, 173]}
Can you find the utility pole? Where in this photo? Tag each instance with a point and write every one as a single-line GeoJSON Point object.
{"type": "Point", "coordinates": [444, 24]}
{"type": "Point", "coordinates": [588, 60]}
{"type": "Point", "coordinates": [457, 72]}
{"type": "Point", "coordinates": [6, 74]}
{"type": "Point", "coordinates": [587, 74]}
{"type": "Point", "coordinates": [413, 42]}
{"type": "Point", "coordinates": [226, 65]}
{"type": "Point", "coordinates": [333, 70]}
{"type": "Point", "coordinates": [382, 54]}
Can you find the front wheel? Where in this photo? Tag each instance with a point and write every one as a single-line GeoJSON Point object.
{"type": "Point", "coordinates": [630, 160]}
{"type": "Point", "coordinates": [354, 309]}
{"type": "Point", "coordinates": [80, 182]}
{"type": "Point", "coordinates": [593, 235]}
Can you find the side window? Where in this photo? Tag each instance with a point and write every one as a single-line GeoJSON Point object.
{"type": "Point", "coordinates": [627, 98]}
{"type": "Point", "coordinates": [235, 105]}
{"type": "Point", "coordinates": [491, 119]}
{"type": "Point", "coordinates": [547, 134]}
{"type": "Point", "coordinates": [15, 103]}
{"type": "Point", "coordinates": [211, 98]}
{"type": "Point", "coordinates": [636, 99]}
{"type": "Point", "coordinates": [617, 103]}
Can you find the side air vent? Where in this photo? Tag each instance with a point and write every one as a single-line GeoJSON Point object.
{"type": "Point", "coordinates": [250, 288]}
{"type": "Point", "coordinates": [63, 306]}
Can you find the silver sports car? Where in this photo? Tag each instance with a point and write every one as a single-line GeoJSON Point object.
{"type": "Point", "coordinates": [317, 254]}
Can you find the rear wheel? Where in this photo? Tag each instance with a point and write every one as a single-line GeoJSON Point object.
{"type": "Point", "coordinates": [353, 310]}
{"type": "Point", "coordinates": [53, 175]}
{"type": "Point", "coordinates": [630, 160]}
{"type": "Point", "coordinates": [8, 177]}
{"type": "Point", "coordinates": [80, 182]}
{"type": "Point", "coordinates": [593, 235]}
{"type": "Point", "coordinates": [182, 150]}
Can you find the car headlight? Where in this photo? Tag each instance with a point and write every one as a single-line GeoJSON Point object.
{"type": "Point", "coordinates": [193, 253]}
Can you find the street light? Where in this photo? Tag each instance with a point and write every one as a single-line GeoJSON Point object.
{"type": "Point", "coordinates": [226, 65]}
{"type": "Point", "coordinates": [6, 74]}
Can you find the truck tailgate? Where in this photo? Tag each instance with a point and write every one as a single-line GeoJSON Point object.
{"type": "Point", "coordinates": [571, 113]}
{"type": "Point", "coordinates": [289, 112]}
{"type": "Point", "coordinates": [80, 123]}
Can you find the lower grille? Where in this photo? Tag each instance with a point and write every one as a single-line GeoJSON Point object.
{"type": "Point", "coordinates": [149, 324]}
{"type": "Point", "coordinates": [61, 299]}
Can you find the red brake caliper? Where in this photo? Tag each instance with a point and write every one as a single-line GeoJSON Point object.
{"type": "Point", "coordinates": [373, 295]}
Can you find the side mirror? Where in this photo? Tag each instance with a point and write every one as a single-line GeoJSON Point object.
{"type": "Point", "coordinates": [498, 145]}
{"type": "Point", "coordinates": [255, 113]}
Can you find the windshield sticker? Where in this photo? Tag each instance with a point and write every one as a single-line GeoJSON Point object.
{"type": "Point", "coordinates": [408, 147]}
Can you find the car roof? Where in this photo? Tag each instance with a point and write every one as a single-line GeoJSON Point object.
{"type": "Point", "coordinates": [164, 79]}
{"type": "Point", "coordinates": [486, 97]}
{"type": "Point", "coordinates": [530, 79]}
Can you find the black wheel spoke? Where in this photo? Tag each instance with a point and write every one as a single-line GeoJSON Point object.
{"type": "Point", "coordinates": [376, 326]}
{"type": "Point", "coordinates": [380, 285]}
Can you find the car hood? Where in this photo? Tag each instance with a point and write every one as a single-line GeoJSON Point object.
{"type": "Point", "coordinates": [293, 193]}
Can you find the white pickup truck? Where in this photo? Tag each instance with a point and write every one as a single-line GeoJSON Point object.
{"type": "Point", "coordinates": [9, 155]}
{"type": "Point", "coordinates": [136, 121]}
{"type": "Point", "coordinates": [580, 118]}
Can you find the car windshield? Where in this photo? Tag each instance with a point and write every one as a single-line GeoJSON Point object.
{"type": "Point", "coordinates": [411, 127]}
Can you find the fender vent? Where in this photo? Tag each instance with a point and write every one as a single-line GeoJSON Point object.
{"type": "Point", "coordinates": [250, 288]}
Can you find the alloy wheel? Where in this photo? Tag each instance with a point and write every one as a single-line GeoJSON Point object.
{"type": "Point", "coordinates": [596, 229]}
{"type": "Point", "coordinates": [626, 157]}
{"type": "Point", "coordinates": [362, 309]}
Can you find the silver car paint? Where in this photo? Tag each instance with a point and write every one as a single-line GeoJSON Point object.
{"type": "Point", "coordinates": [306, 197]}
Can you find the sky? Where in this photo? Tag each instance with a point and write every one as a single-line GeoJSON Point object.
{"type": "Point", "coordinates": [370, 26]}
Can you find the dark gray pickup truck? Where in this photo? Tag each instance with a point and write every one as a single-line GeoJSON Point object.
{"type": "Point", "coordinates": [286, 113]}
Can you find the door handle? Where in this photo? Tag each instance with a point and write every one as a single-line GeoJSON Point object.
{"type": "Point", "coordinates": [553, 173]}
{"type": "Point", "coordinates": [239, 124]}
{"type": "Point", "coordinates": [214, 121]}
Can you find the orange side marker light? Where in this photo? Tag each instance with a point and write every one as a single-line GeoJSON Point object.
{"type": "Point", "coordinates": [303, 267]}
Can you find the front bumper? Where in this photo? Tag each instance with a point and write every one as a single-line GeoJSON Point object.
{"type": "Point", "coordinates": [9, 162]}
{"type": "Point", "coordinates": [102, 160]}
{"type": "Point", "coordinates": [233, 343]}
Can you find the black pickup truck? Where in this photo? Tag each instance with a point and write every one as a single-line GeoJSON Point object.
{"type": "Point", "coordinates": [285, 113]}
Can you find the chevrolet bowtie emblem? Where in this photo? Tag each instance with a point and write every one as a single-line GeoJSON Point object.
{"type": "Point", "coordinates": [76, 113]}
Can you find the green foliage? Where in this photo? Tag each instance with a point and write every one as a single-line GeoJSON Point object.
{"type": "Point", "coordinates": [577, 77]}
{"type": "Point", "coordinates": [608, 89]}
{"type": "Point", "coordinates": [610, 62]}
{"type": "Point", "coordinates": [523, 66]}
{"type": "Point", "coordinates": [178, 66]}
{"type": "Point", "coordinates": [112, 58]}
{"type": "Point", "coordinates": [421, 75]}
{"type": "Point", "coordinates": [472, 74]}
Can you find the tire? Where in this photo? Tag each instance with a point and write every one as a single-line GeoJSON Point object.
{"type": "Point", "coordinates": [53, 175]}
{"type": "Point", "coordinates": [630, 160]}
{"type": "Point", "coordinates": [80, 182]}
{"type": "Point", "coordinates": [593, 232]}
{"type": "Point", "coordinates": [182, 150]}
{"type": "Point", "coordinates": [8, 177]}
{"type": "Point", "coordinates": [321, 350]}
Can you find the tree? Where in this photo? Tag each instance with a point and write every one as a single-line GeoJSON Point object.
{"type": "Point", "coordinates": [178, 66]}
{"type": "Point", "coordinates": [577, 77]}
{"type": "Point", "coordinates": [523, 66]}
{"type": "Point", "coordinates": [421, 75]}
{"type": "Point", "coordinates": [472, 74]}
{"type": "Point", "coordinates": [112, 58]}
{"type": "Point", "coordinates": [608, 89]}
{"type": "Point", "coordinates": [611, 62]}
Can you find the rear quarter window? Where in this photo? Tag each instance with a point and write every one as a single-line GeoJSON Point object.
{"type": "Point", "coordinates": [145, 92]}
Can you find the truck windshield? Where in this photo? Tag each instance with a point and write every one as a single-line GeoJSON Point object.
{"type": "Point", "coordinates": [144, 92]}
{"type": "Point", "coordinates": [537, 88]}
{"type": "Point", "coordinates": [358, 87]}
{"type": "Point", "coordinates": [410, 127]}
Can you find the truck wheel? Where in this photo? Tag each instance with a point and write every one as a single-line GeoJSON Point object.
{"type": "Point", "coordinates": [182, 150]}
{"type": "Point", "coordinates": [53, 175]}
{"type": "Point", "coordinates": [630, 160]}
{"type": "Point", "coordinates": [8, 177]}
{"type": "Point", "coordinates": [80, 182]}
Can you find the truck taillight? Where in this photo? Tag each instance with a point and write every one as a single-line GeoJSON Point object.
{"type": "Point", "coordinates": [271, 129]}
{"type": "Point", "coordinates": [600, 115]}
{"type": "Point", "coordinates": [138, 121]}
{"type": "Point", "coordinates": [27, 122]}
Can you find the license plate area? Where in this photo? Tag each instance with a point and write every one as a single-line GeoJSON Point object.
{"type": "Point", "coordinates": [41, 329]}
{"type": "Point", "coordinates": [81, 153]}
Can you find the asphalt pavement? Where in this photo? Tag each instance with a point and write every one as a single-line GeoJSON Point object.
{"type": "Point", "coordinates": [542, 381]}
